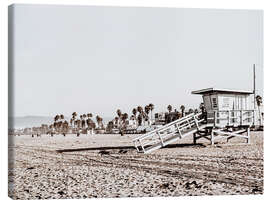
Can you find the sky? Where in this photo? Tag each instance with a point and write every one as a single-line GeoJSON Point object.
{"type": "Point", "coordinates": [100, 59]}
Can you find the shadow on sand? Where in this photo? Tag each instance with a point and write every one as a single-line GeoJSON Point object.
{"type": "Point", "coordinates": [126, 147]}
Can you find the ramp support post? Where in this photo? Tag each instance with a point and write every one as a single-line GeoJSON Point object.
{"type": "Point", "coordinates": [194, 138]}
{"type": "Point", "coordinates": [248, 135]}
{"type": "Point", "coordinates": [212, 137]}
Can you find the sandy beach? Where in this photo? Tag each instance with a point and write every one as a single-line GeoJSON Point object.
{"type": "Point", "coordinates": [99, 166]}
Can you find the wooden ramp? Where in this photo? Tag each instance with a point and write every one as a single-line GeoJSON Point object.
{"type": "Point", "coordinates": [169, 133]}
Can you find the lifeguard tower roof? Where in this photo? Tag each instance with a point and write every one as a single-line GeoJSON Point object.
{"type": "Point", "coordinates": [216, 90]}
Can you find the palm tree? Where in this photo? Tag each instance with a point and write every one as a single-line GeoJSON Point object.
{"type": "Point", "coordinates": [74, 114]}
{"type": "Point", "coordinates": [56, 118]}
{"type": "Point", "coordinates": [119, 113]}
{"type": "Point", "coordinates": [109, 126]}
{"type": "Point", "coordinates": [147, 111]}
{"type": "Point", "coordinates": [83, 120]}
{"type": "Point", "coordinates": [55, 124]}
{"type": "Point", "coordinates": [141, 116]}
{"type": "Point", "coordinates": [259, 103]}
{"type": "Point", "coordinates": [139, 119]}
{"type": "Point", "coordinates": [124, 118]}
{"type": "Point", "coordinates": [169, 108]}
{"type": "Point", "coordinates": [98, 118]}
{"type": "Point", "coordinates": [151, 107]}
{"type": "Point", "coordinates": [202, 107]}
{"type": "Point", "coordinates": [190, 111]}
{"type": "Point", "coordinates": [140, 109]}
{"type": "Point", "coordinates": [99, 121]}
{"type": "Point", "coordinates": [71, 121]}
{"type": "Point", "coordinates": [182, 108]}
{"type": "Point", "coordinates": [116, 121]}
{"type": "Point", "coordinates": [134, 112]}
{"type": "Point", "coordinates": [78, 124]}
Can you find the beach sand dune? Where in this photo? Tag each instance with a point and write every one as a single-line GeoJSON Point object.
{"type": "Point", "coordinates": [109, 166]}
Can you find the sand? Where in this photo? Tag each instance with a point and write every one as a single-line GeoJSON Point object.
{"type": "Point", "coordinates": [99, 166]}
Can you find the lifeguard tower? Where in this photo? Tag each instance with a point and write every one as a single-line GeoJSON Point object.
{"type": "Point", "coordinates": [228, 108]}
{"type": "Point", "coordinates": [226, 114]}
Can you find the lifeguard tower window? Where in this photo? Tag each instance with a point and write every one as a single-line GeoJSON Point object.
{"type": "Point", "coordinates": [214, 102]}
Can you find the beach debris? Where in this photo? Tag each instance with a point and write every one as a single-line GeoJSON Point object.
{"type": "Point", "coordinates": [164, 185]}
{"type": "Point", "coordinates": [103, 152]}
{"type": "Point", "coordinates": [61, 193]}
{"type": "Point", "coordinates": [122, 151]}
{"type": "Point", "coordinates": [189, 185]}
{"type": "Point", "coordinates": [256, 189]}
{"type": "Point", "coordinates": [30, 168]}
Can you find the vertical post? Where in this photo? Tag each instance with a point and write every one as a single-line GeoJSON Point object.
{"type": "Point", "coordinates": [248, 135]}
{"type": "Point", "coordinates": [161, 140]}
{"type": "Point", "coordinates": [229, 117]}
{"type": "Point", "coordinates": [196, 122]}
{"type": "Point", "coordinates": [241, 117]}
{"type": "Point", "coordinates": [142, 146]}
{"type": "Point", "coordinates": [253, 117]}
{"type": "Point", "coordinates": [136, 146]}
{"type": "Point", "coordinates": [188, 123]}
{"type": "Point", "coordinates": [179, 131]}
{"type": "Point", "coordinates": [194, 138]}
{"type": "Point", "coordinates": [254, 85]}
{"type": "Point", "coordinates": [212, 137]}
{"type": "Point", "coordinates": [215, 118]}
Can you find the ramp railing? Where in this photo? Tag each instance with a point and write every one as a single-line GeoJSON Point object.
{"type": "Point", "coordinates": [168, 133]}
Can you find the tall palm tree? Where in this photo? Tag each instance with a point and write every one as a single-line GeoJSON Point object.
{"type": "Point", "coordinates": [259, 103]}
{"type": "Point", "coordinates": [56, 118]}
{"type": "Point", "coordinates": [99, 121]}
{"type": "Point", "coordinates": [83, 120]}
{"type": "Point", "coordinates": [134, 112]}
{"type": "Point", "coordinates": [169, 108]}
{"type": "Point", "coordinates": [139, 119]}
{"type": "Point", "coordinates": [119, 113]}
{"type": "Point", "coordinates": [147, 109]}
{"type": "Point", "coordinates": [116, 121]}
{"type": "Point", "coordinates": [71, 122]}
{"type": "Point", "coordinates": [55, 124]}
{"type": "Point", "coordinates": [125, 117]}
{"type": "Point", "coordinates": [151, 107]}
{"type": "Point", "coordinates": [78, 124]}
{"type": "Point", "coordinates": [140, 109]}
{"type": "Point", "coordinates": [140, 116]}
{"type": "Point", "coordinates": [182, 108]}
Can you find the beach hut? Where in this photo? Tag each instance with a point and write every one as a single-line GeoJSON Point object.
{"type": "Point", "coordinates": [226, 107]}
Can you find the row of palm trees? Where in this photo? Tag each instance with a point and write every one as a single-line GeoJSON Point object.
{"type": "Point", "coordinates": [140, 115]}
{"type": "Point", "coordinates": [82, 122]}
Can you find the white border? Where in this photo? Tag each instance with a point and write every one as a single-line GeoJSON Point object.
{"type": "Point", "coordinates": [224, 4]}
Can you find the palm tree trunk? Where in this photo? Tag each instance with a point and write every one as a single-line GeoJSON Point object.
{"type": "Point", "coordinates": [260, 116]}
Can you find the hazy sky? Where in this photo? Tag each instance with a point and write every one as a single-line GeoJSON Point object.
{"type": "Point", "coordinates": [99, 59]}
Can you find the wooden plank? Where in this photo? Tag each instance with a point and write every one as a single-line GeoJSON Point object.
{"type": "Point", "coordinates": [231, 134]}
